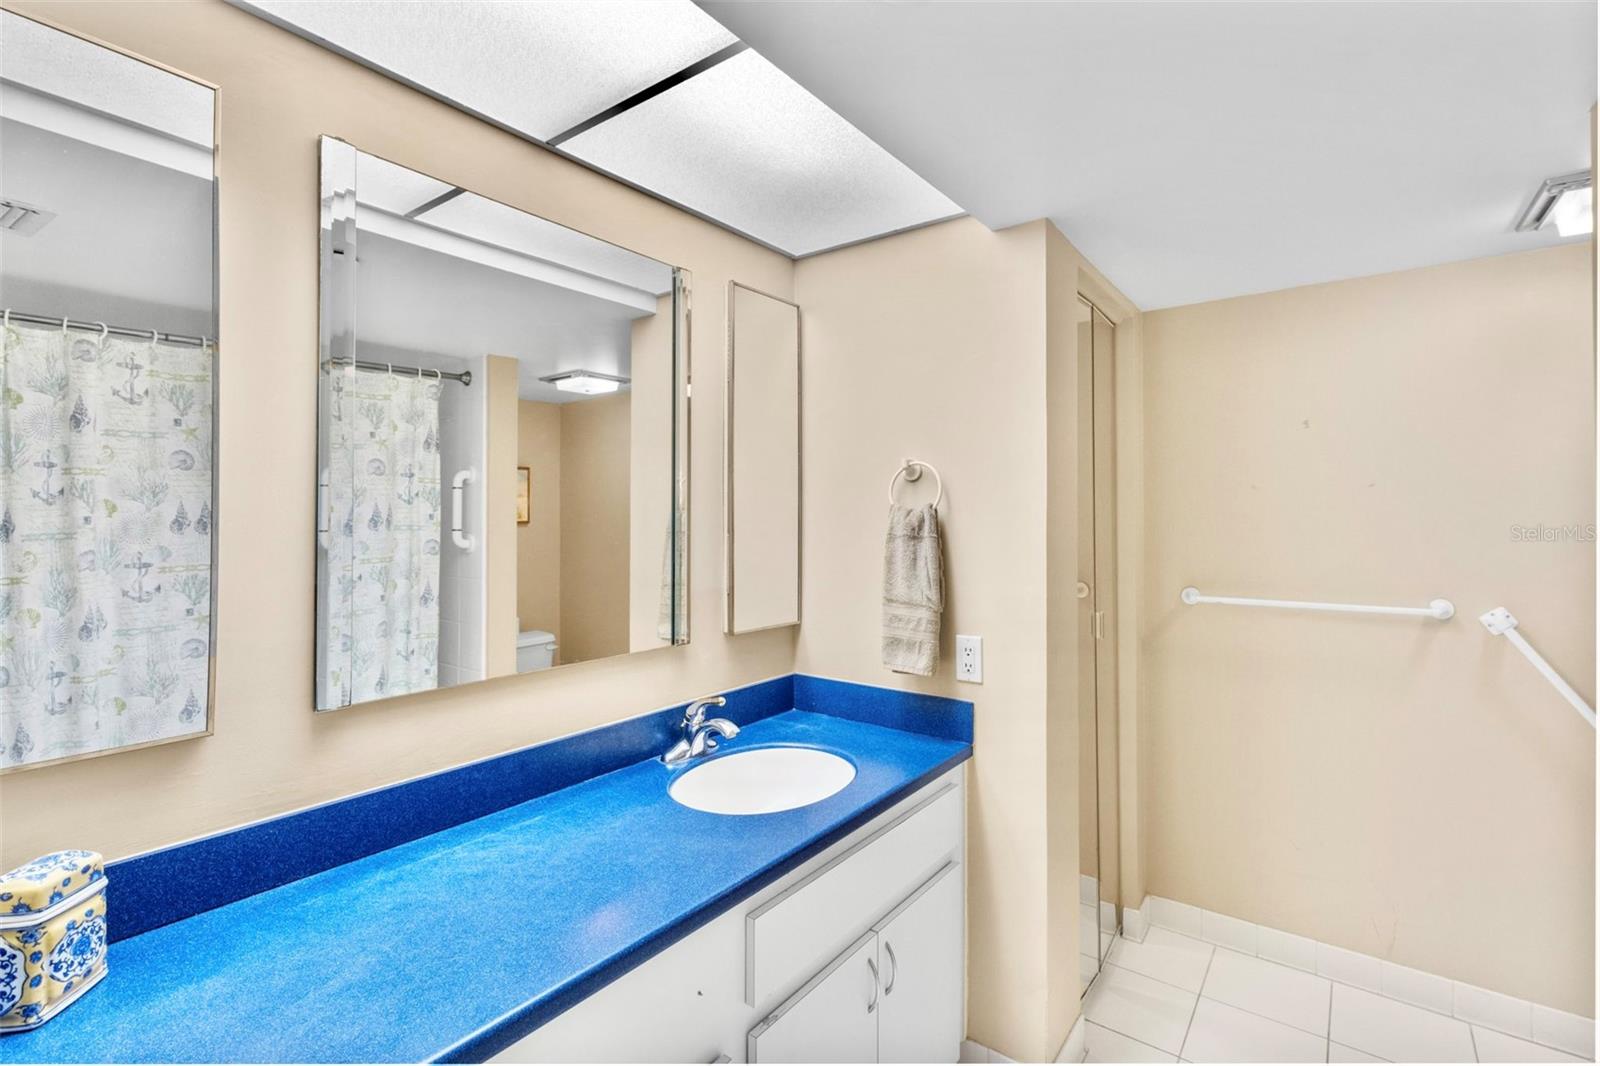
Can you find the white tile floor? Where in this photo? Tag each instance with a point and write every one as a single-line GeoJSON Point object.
{"type": "Point", "coordinates": [1177, 998]}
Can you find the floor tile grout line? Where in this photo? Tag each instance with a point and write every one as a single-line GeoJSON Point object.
{"type": "Point", "coordinates": [1474, 1038]}
{"type": "Point", "coordinates": [1330, 1020]}
{"type": "Point", "coordinates": [1202, 992]}
{"type": "Point", "coordinates": [1119, 1032]}
{"type": "Point", "coordinates": [1196, 1008]}
{"type": "Point", "coordinates": [1359, 988]}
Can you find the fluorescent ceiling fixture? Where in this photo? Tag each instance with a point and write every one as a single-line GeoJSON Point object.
{"type": "Point", "coordinates": [1568, 201]}
{"type": "Point", "coordinates": [396, 189]}
{"type": "Point", "coordinates": [587, 382]}
{"type": "Point", "coordinates": [104, 81]}
{"type": "Point", "coordinates": [495, 223]}
{"type": "Point", "coordinates": [1573, 212]}
{"type": "Point", "coordinates": [655, 93]}
{"type": "Point", "coordinates": [743, 143]}
{"type": "Point", "coordinates": [23, 219]}
{"type": "Point", "coordinates": [539, 68]}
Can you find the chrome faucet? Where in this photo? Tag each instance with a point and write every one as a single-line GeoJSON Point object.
{"type": "Point", "coordinates": [699, 734]}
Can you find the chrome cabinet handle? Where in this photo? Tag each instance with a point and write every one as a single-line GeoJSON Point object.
{"type": "Point", "coordinates": [873, 966]}
{"type": "Point", "coordinates": [894, 970]}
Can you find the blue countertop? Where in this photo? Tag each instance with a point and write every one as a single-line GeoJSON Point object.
{"type": "Point", "coordinates": [453, 946]}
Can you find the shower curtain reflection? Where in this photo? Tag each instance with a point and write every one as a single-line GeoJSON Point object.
{"type": "Point", "coordinates": [383, 541]}
{"type": "Point", "coordinates": [105, 541]}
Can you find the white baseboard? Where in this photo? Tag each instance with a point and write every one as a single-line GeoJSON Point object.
{"type": "Point", "coordinates": [1521, 1018]}
{"type": "Point", "coordinates": [972, 1051]}
{"type": "Point", "coordinates": [1074, 1049]}
{"type": "Point", "coordinates": [1134, 924]}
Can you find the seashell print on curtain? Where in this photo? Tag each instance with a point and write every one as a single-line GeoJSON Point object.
{"type": "Point", "coordinates": [105, 542]}
{"type": "Point", "coordinates": [384, 503]}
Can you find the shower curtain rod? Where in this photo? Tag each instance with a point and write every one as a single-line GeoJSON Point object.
{"type": "Point", "coordinates": [100, 327]}
{"type": "Point", "coordinates": [464, 376]}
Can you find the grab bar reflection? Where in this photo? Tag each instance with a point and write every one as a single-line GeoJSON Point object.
{"type": "Point", "coordinates": [1442, 610]}
{"type": "Point", "coordinates": [1502, 623]}
{"type": "Point", "coordinates": [463, 540]}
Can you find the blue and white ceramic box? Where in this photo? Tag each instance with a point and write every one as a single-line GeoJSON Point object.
{"type": "Point", "coordinates": [52, 936]}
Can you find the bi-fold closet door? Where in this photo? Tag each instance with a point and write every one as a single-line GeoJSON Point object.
{"type": "Point", "coordinates": [894, 995]}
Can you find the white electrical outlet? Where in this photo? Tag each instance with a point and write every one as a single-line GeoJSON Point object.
{"type": "Point", "coordinates": [969, 659]}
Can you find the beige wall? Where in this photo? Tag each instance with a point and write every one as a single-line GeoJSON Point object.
{"type": "Point", "coordinates": [650, 470]}
{"type": "Point", "coordinates": [1064, 751]}
{"type": "Point", "coordinates": [270, 752]}
{"type": "Point", "coordinates": [501, 428]}
{"type": "Point", "coordinates": [594, 527]}
{"type": "Point", "coordinates": [1405, 788]}
{"type": "Point", "coordinates": [936, 344]}
{"type": "Point", "coordinates": [539, 540]}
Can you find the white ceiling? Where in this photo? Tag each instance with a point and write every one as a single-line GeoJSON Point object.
{"type": "Point", "coordinates": [1195, 151]}
{"type": "Point", "coordinates": [150, 228]}
{"type": "Point", "coordinates": [413, 303]}
{"type": "Point", "coordinates": [739, 143]}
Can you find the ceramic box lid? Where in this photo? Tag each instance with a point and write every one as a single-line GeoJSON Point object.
{"type": "Point", "coordinates": [48, 881]}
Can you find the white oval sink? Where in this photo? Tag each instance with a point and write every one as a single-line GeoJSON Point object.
{"type": "Point", "coordinates": [762, 781]}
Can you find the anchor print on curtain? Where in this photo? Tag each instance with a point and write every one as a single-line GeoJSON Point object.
{"type": "Point", "coordinates": [105, 541]}
{"type": "Point", "coordinates": [382, 626]}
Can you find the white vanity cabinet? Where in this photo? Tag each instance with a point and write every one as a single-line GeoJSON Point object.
{"type": "Point", "coordinates": [894, 996]}
{"type": "Point", "coordinates": [920, 1016]}
{"type": "Point", "coordinates": [857, 956]}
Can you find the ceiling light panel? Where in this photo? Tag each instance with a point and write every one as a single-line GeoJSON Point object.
{"type": "Point", "coordinates": [744, 144]}
{"type": "Point", "coordinates": [396, 189]}
{"type": "Point", "coordinates": [494, 223]}
{"type": "Point", "coordinates": [69, 68]}
{"type": "Point", "coordinates": [539, 68]}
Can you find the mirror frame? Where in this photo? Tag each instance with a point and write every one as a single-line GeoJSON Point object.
{"type": "Point", "coordinates": [216, 394]}
{"type": "Point", "coordinates": [336, 238]}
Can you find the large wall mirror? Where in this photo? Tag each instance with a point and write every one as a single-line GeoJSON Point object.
{"type": "Point", "coordinates": [761, 476]}
{"type": "Point", "coordinates": [107, 398]}
{"type": "Point", "coordinates": [502, 439]}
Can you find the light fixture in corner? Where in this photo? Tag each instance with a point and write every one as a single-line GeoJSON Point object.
{"type": "Point", "coordinates": [587, 382]}
{"type": "Point", "coordinates": [1568, 201]}
{"type": "Point", "coordinates": [23, 219]}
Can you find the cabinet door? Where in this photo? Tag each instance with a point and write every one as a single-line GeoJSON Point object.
{"type": "Point", "coordinates": [919, 953]}
{"type": "Point", "coordinates": [834, 1016]}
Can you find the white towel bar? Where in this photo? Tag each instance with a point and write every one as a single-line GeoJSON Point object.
{"type": "Point", "coordinates": [1439, 609]}
{"type": "Point", "coordinates": [1502, 623]}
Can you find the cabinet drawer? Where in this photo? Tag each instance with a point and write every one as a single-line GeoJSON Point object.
{"type": "Point", "coordinates": [793, 934]}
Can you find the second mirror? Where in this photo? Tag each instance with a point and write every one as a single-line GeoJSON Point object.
{"type": "Point", "coordinates": [501, 439]}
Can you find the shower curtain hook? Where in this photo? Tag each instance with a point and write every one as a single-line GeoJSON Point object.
{"type": "Point", "coordinates": [391, 368]}
{"type": "Point", "coordinates": [64, 321]}
{"type": "Point", "coordinates": [6, 323]}
{"type": "Point", "coordinates": [105, 331]}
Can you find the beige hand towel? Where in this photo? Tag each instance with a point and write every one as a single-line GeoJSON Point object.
{"type": "Point", "coordinates": [913, 590]}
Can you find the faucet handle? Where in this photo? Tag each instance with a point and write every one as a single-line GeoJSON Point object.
{"type": "Point", "coordinates": [695, 714]}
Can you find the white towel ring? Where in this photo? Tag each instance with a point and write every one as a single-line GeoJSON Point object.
{"type": "Point", "coordinates": [912, 469]}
